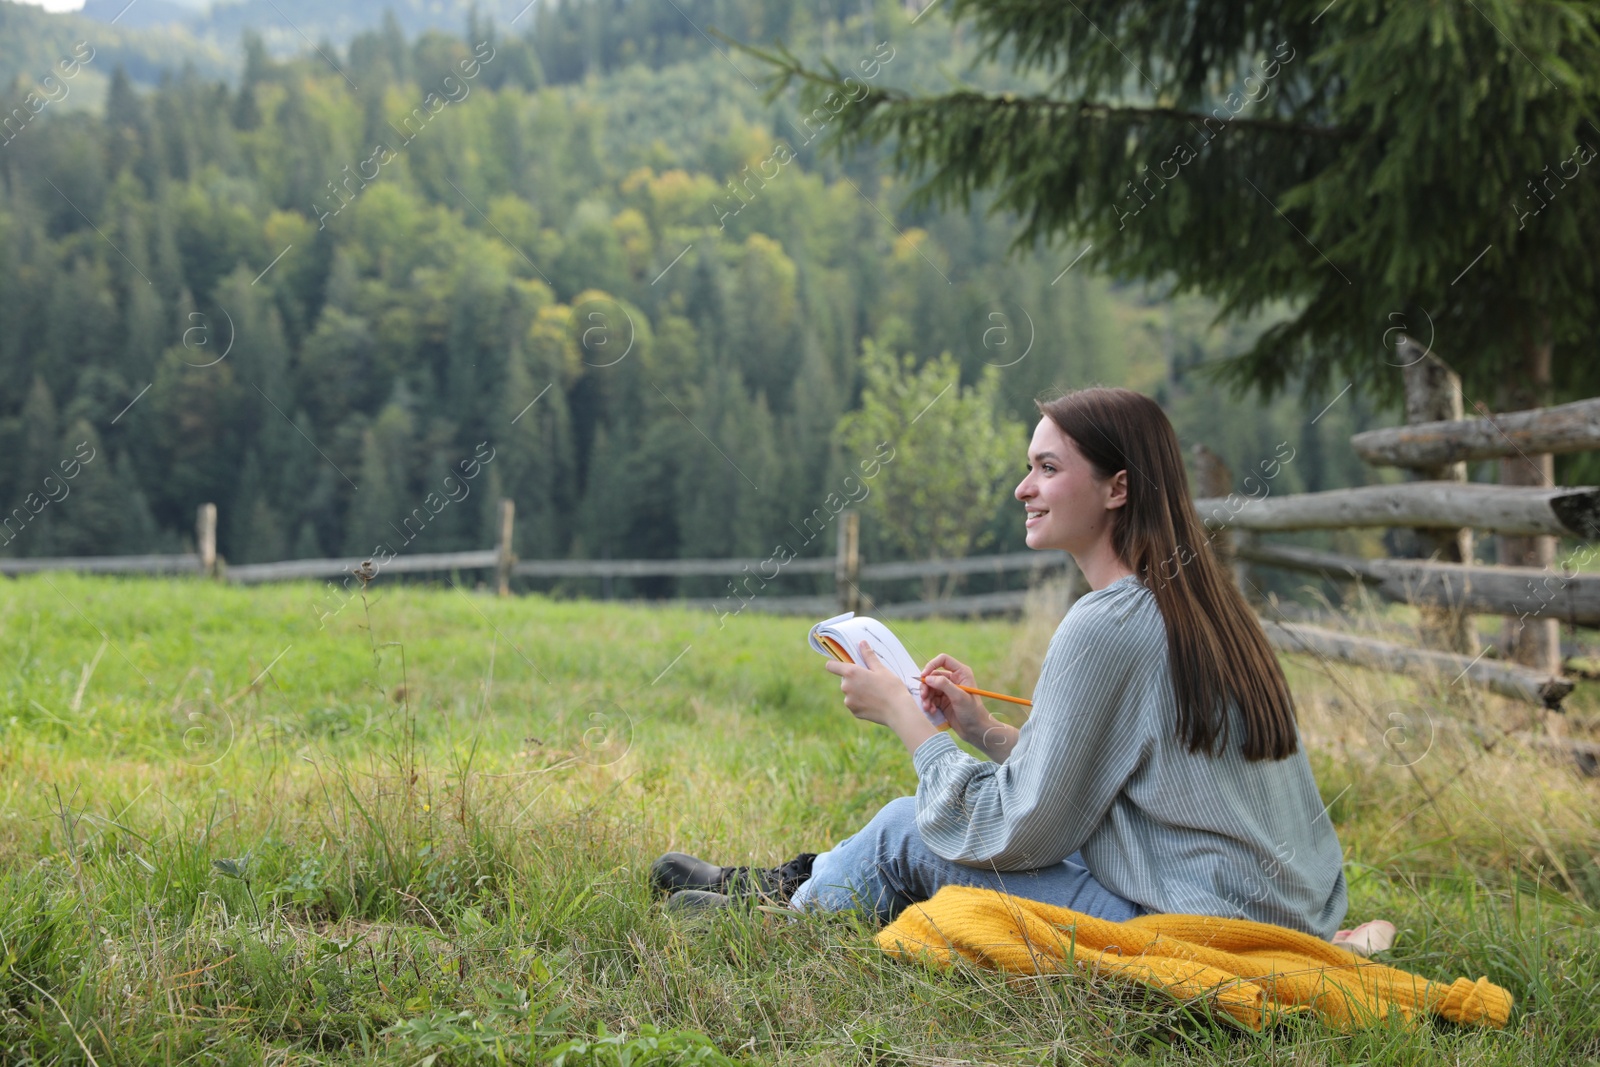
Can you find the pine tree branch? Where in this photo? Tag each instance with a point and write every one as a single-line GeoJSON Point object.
{"type": "Point", "coordinates": [788, 68]}
{"type": "Point", "coordinates": [1101, 110]}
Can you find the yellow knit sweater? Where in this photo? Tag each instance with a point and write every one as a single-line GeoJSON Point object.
{"type": "Point", "coordinates": [1252, 971]}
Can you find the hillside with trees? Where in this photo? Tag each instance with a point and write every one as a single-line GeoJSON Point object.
{"type": "Point", "coordinates": [309, 296]}
{"type": "Point", "coordinates": [34, 43]}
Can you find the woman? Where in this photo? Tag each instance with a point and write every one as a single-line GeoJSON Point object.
{"type": "Point", "coordinates": [1160, 769]}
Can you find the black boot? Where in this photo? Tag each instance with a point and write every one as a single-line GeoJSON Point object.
{"type": "Point", "coordinates": [676, 870]}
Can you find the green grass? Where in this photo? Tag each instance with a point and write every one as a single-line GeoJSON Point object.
{"type": "Point", "coordinates": [425, 830]}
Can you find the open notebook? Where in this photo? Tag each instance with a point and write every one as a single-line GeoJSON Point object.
{"type": "Point", "coordinates": [839, 636]}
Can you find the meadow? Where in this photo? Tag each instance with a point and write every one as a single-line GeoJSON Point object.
{"type": "Point", "coordinates": [417, 830]}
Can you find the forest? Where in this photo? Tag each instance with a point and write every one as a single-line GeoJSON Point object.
{"type": "Point", "coordinates": [596, 252]}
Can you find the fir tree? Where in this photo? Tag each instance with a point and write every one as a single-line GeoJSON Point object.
{"type": "Point", "coordinates": [103, 512]}
{"type": "Point", "coordinates": [1359, 159]}
{"type": "Point", "coordinates": [381, 512]}
{"type": "Point", "coordinates": [28, 531]}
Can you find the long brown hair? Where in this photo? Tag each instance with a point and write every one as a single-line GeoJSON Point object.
{"type": "Point", "coordinates": [1215, 646]}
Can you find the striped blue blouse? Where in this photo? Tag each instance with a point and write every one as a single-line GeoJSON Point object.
{"type": "Point", "coordinates": [1098, 768]}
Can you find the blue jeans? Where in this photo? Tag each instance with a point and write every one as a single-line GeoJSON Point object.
{"type": "Point", "coordinates": [884, 867]}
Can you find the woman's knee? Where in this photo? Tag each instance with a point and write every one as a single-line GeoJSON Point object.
{"type": "Point", "coordinates": [862, 869]}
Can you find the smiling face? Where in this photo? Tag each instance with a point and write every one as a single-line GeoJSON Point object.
{"type": "Point", "coordinates": [1067, 505]}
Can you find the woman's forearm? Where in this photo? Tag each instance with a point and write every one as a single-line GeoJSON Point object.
{"type": "Point", "coordinates": [910, 724]}
{"type": "Point", "coordinates": [996, 740]}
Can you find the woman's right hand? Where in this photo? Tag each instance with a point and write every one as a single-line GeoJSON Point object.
{"type": "Point", "coordinates": [965, 712]}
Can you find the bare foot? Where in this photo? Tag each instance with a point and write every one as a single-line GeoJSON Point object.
{"type": "Point", "coordinates": [1369, 937]}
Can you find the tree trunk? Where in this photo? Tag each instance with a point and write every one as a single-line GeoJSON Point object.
{"type": "Point", "coordinates": [1533, 642]}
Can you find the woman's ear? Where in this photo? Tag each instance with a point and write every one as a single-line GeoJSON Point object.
{"type": "Point", "coordinates": [1118, 495]}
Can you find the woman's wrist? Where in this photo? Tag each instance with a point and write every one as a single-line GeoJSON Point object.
{"type": "Point", "coordinates": [910, 723]}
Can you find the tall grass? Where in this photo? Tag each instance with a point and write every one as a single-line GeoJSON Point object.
{"type": "Point", "coordinates": [424, 831]}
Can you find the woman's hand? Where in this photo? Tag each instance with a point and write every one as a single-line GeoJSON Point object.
{"type": "Point", "coordinates": [871, 691]}
{"type": "Point", "coordinates": [965, 712]}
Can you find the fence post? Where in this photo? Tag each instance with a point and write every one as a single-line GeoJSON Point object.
{"type": "Point", "coordinates": [1532, 642]}
{"type": "Point", "coordinates": [504, 557]}
{"type": "Point", "coordinates": [847, 561]}
{"type": "Point", "coordinates": [1216, 481]}
{"type": "Point", "coordinates": [205, 538]}
{"type": "Point", "coordinates": [1433, 394]}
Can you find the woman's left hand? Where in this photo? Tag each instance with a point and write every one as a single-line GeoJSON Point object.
{"type": "Point", "coordinates": [871, 691]}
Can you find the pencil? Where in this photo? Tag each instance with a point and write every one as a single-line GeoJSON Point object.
{"type": "Point", "coordinates": [975, 691]}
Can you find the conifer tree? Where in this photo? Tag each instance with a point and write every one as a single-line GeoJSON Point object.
{"type": "Point", "coordinates": [102, 511]}
{"type": "Point", "coordinates": [1361, 159]}
{"type": "Point", "coordinates": [39, 439]}
{"type": "Point", "coordinates": [535, 460]}
{"type": "Point", "coordinates": [379, 510]}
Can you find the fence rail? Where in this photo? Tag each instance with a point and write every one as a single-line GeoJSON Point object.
{"type": "Point", "coordinates": [156, 564]}
{"type": "Point", "coordinates": [1571, 427]}
{"type": "Point", "coordinates": [1476, 589]}
{"type": "Point", "coordinates": [1563, 511]}
{"type": "Point", "coordinates": [1523, 683]}
{"type": "Point", "coordinates": [653, 568]}
{"type": "Point", "coordinates": [1008, 561]}
{"type": "Point", "coordinates": [817, 607]}
{"type": "Point", "coordinates": [659, 568]}
{"type": "Point", "coordinates": [846, 566]}
{"type": "Point", "coordinates": [420, 563]}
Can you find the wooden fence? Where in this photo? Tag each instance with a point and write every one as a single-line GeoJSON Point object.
{"type": "Point", "coordinates": [846, 565]}
{"type": "Point", "coordinates": [1445, 511]}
